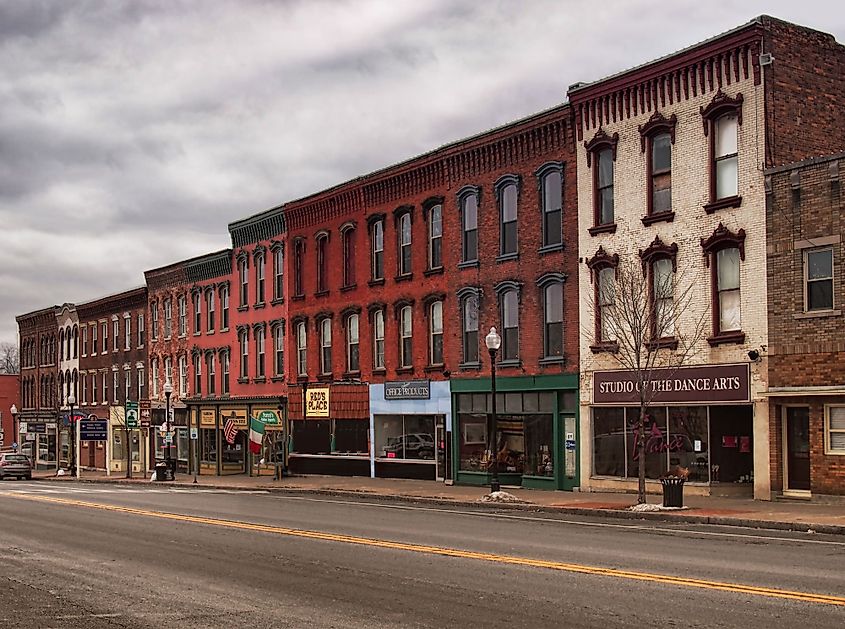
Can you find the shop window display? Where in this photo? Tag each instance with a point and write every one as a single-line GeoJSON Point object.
{"type": "Point", "coordinates": [208, 446]}
{"type": "Point", "coordinates": [311, 436]}
{"type": "Point", "coordinates": [350, 436]}
{"type": "Point", "coordinates": [405, 437]}
{"type": "Point", "coordinates": [233, 453]}
{"type": "Point", "coordinates": [657, 442]}
{"type": "Point", "coordinates": [539, 431]}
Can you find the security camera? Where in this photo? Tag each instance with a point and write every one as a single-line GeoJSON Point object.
{"type": "Point", "coordinates": [754, 356]}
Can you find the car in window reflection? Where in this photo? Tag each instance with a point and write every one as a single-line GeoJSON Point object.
{"type": "Point", "coordinates": [418, 445]}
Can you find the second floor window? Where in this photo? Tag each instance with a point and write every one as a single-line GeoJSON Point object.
{"type": "Point", "coordinates": [301, 350]}
{"type": "Point", "coordinates": [663, 296]}
{"type": "Point", "coordinates": [378, 339]}
{"type": "Point", "coordinates": [211, 373]}
{"type": "Point", "coordinates": [141, 381]}
{"type": "Point", "coordinates": [507, 218]}
{"type": "Point", "coordinates": [725, 156]}
{"type": "Point", "coordinates": [510, 325]}
{"type": "Point", "coordinates": [352, 344]}
{"type": "Point", "coordinates": [182, 306]}
{"type": "Point", "coordinates": [197, 374]}
{"type": "Point", "coordinates": [326, 346]}
{"type": "Point", "coordinates": [727, 288]}
{"type": "Point", "coordinates": [405, 244]}
{"type": "Point", "coordinates": [660, 180]}
{"type": "Point", "coordinates": [140, 330]}
{"type": "Point", "coordinates": [606, 298]}
{"type": "Point", "coordinates": [94, 343]}
{"type": "Point", "coordinates": [154, 320]}
{"type": "Point", "coordinates": [154, 376]}
{"type": "Point", "coordinates": [183, 376]}
{"type": "Point", "coordinates": [378, 249]}
{"type": "Point", "coordinates": [244, 346]}
{"type": "Point", "coordinates": [603, 188]}
{"type": "Point", "coordinates": [115, 334]}
{"type": "Point", "coordinates": [405, 334]}
{"type": "Point", "coordinates": [469, 328]}
{"type": "Point", "coordinates": [105, 330]}
{"type": "Point", "coordinates": [259, 353]}
{"type": "Point", "coordinates": [553, 320]}
{"type": "Point", "coordinates": [818, 279]}
{"type": "Point", "coordinates": [84, 341]}
{"type": "Point", "coordinates": [127, 333]}
{"type": "Point", "coordinates": [224, 373]}
{"type": "Point", "coordinates": [279, 350]}
{"type": "Point", "coordinates": [435, 333]}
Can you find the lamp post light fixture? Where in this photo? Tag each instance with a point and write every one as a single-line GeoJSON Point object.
{"type": "Point", "coordinates": [168, 390]}
{"type": "Point", "coordinates": [71, 464]}
{"type": "Point", "coordinates": [15, 436]}
{"type": "Point", "coordinates": [494, 342]}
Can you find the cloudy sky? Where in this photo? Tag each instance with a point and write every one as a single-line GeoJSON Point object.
{"type": "Point", "coordinates": [132, 133]}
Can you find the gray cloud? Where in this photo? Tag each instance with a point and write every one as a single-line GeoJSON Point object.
{"type": "Point", "coordinates": [132, 132]}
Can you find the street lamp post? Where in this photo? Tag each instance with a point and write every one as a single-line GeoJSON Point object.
{"type": "Point", "coordinates": [494, 341]}
{"type": "Point", "coordinates": [15, 436]}
{"type": "Point", "coordinates": [71, 402]}
{"type": "Point", "coordinates": [168, 390]}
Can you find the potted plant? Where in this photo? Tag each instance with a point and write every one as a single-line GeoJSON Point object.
{"type": "Point", "coordinates": [673, 481]}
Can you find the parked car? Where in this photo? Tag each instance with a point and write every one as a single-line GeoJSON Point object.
{"type": "Point", "coordinates": [14, 464]}
{"type": "Point", "coordinates": [417, 445]}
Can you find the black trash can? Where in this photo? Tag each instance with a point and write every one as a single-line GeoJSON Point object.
{"type": "Point", "coordinates": [163, 471]}
{"type": "Point", "coordinates": [673, 492]}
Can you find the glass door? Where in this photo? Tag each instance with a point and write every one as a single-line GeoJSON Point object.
{"type": "Point", "coordinates": [440, 446]}
{"type": "Point", "coordinates": [797, 448]}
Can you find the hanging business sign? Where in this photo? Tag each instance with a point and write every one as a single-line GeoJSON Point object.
{"type": "Point", "coordinates": [317, 402]}
{"type": "Point", "coordinates": [237, 415]}
{"type": "Point", "coordinates": [269, 417]}
{"type": "Point", "coordinates": [707, 384]}
{"type": "Point", "coordinates": [408, 390]}
{"type": "Point", "coordinates": [208, 418]}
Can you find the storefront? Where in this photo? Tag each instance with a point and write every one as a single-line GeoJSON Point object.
{"type": "Point", "coordinates": [38, 442]}
{"type": "Point", "coordinates": [222, 444]}
{"type": "Point", "coordinates": [537, 431]}
{"type": "Point", "coordinates": [178, 441]}
{"type": "Point", "coordinates": [411, 424]}
{"type": "Point", "coordinates": [119, 452]}
{"type": "Point", "coordinates": [700, 419]}
{"type": "Point", "coordinates": [330, 429]}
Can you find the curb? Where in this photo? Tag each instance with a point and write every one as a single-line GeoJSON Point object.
{"type": "Point", "coordinates": [619, 514]}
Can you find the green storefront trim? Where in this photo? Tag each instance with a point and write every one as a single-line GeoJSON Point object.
{"type": "Point", "coordinates": [561, 383]}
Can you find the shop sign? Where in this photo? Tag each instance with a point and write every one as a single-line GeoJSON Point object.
{"type": "Point", "coordinates": [208, 418]}
{"type": "Point", "coordinates": [317, 402]}
{"type": "Point", "coordinates": [707, 384]}
{"type": "Point", "coordinates": [39, 428]}
{"type": "Point", "coordinates": [23, 427]}
{"type": "Point", "coordinates": [237, 415]}
{"type": "Point", "coordinates": [408, 390]}
{"type": "Point", "coordinates": [268, 416]}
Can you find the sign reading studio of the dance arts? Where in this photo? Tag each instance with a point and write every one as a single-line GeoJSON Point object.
{"type": "Point", "coordinates": [702, 385]}
{"type": "Point", "coordinates": [408, 390]}
{"type": "Point", "coordinates": [317, 402]}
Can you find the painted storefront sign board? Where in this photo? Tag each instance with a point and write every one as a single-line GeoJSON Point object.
{"type": "Point", "coordinates": [208, 418]}
{"type": "Point", "coordinates": [407, 390]}
{"type": "Point", "coordinates": [708, 384]}
{"type": "Point", "coordinates": [237, 414]}
{"type": "Point", "coordinates": [317, 402]}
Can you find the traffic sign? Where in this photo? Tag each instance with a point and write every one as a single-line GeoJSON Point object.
{"type": "Point", "coordinates": [132, 420]}
{"type": "Point", "coordinates": [93, 430]}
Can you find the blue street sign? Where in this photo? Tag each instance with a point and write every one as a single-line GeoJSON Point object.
{"type": "Point", "coordinates": [93, 430]}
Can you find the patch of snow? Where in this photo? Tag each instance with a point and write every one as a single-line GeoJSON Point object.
{"type": "Point", "coordinates": [501, 496]}
{"type": "Point", "coordinates": [646, 507]}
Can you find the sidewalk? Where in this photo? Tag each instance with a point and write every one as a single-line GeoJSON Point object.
{"type": "Point", "coordinates": [818, 517]}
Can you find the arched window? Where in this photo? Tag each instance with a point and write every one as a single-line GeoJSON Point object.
{"type": "Point", "coordinates": [348, 233]}
{"type": "Point", "coordinates": [197, 359]}
{"type": "Point", "coordinates": [603, 272]}
{"type": "Point", "coordinates": [469, 324]}
{"type": "Point", "coordinates": [301, 350]}
{"type": "Point", "coordinates": [725, 251]}
{"type": "Point", "coordinates": [352, 344]}
{"type": "Point", "coordinates": [405, 244]}
{"type": "Point", "coordinates": [468, 202]}
{"type": "Point", "coordinates": [211, 373]}
{"type": "Point", "coordinates": [507, 195]}
{"type": "Point", "coordinates": [551, 285]}
{"type": "Point", "coordinates": [405, 335]}
{"type": "Point", "coordinates": [325, 346]}
{"type": "Point", "coordinates": [509, 316]}
{"type": "Point", "coordinates": [243, 273]}
{"type": "Point", "coordinates": [377, 249]}
{"type": "Point", "coordinates": [322, 262]}
{"type": "Point", "coordinates": [260, 352]}
{"type": "Point", "coordinates": [435, 236]}
{"type": "Point", "coordinates": [378, 339]}
{"type": "Point", "coordinates": [435, 333]}
{"type": "Point", "coordinates": [279, 350]}
{"type": "Point", "coordinates": [243, 342]}
{"type": "Point", "coordinates": [259, 278]}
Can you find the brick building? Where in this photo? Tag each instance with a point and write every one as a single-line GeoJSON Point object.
{"type": "Point", "coordinates": [670, 178]}
{"type": "Point", "coordinates": [806, 351]}
{"type": "Point", "coordinates": [113, 370]}
{"type": "Point", "coordinates": [38, 338]}
{"type": "Point", "coordinates": [10, 396]}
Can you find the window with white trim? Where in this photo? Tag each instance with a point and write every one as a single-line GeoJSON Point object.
{"type": "Point", "coordinates": [183, 376]}
{"type": "Point", "coordinates": [260, 349]}
{"type": "Point", "coordinates": [301, 349]}
{"type": "Point", "coordinates": [435, 333]}
{"type": "Point", "coordinates": [378, 339]}
{"type": "Point", "coordinates": [834, 429]}
{"type": "Point", "coordinates": [352, 344]}
{"type": "Point", "coordinates": [279, 350]}
{"type": "Point", "coordinates": [818, 279]}
{"type": "Point", "coordinates": [326, 346]}
{"type": "Point", "coordinates": [197, 299]}
{"type": "Point", "coordinates": [168, 318]}
{"type": "Point", "coordinates": [127, 332]}
{"type": "Point", "coordinates": [406, 331]}
{"type": "Point", "coordinates": [182, 306]}
{"type": "Point", "coordinates": [209, 310]}
{"type": "Point", "coordinates": [115, 333]}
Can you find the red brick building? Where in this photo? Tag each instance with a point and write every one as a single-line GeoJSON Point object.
{"type": "Point", "coordinates": [806, 352]}
{"type": "Point", "coordinates": [10, 395]}
{"type": "Point", "coordinates": [112, 371]}
{"type": "Point", "coordinates": [38, 336]}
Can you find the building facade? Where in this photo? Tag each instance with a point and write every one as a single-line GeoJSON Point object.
{"type": "Point", "coordinates": [10, 396]}
{"type": "Point", "coordinates": [806, 351]}
{"type": "Point", "coordinates": [38, 338]}
{"type": "Point", "coordinates": [670, 181]}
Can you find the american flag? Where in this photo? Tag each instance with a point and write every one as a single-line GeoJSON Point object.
{"type": "Point", "coordinates": [230, 430]}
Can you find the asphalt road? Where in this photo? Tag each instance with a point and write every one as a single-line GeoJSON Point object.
{"type": "Point", "coordinates": [98, 556]}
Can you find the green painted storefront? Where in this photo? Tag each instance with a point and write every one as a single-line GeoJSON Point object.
{"type": "Point", "coordinates": [537, 430]}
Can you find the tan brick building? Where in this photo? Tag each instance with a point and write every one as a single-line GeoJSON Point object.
{"type": "Point", "coordinates": [671, 159]}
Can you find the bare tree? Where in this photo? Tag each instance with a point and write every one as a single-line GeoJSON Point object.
{"type": "Point", "coordinates": [9, 358]}
{"type": "Point", "coordinates": [646, 323]}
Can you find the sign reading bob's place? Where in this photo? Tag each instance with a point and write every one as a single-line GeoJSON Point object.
{"type": "Point", "coordinates": [408, 390]}
{"type": "Point", "coordinates": [706, 384]}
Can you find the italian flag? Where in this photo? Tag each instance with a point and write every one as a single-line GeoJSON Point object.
{"type": "Point", "coordinates": [256, 434]}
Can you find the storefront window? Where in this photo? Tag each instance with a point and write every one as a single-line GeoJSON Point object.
{"type": "Point", "coordinates": [208, 445]}
{"type": "Point", "coordinates": [64, 445]}
{"type": "Point", "coordinates": [233, 453]}
{"type": "Point", "coordinates": [181, 444]}
{"type": "Point", "coordinates": [47, 448]}
{"type": "Point", "coordinates": [405, 436]}
{"type": "Point", "coordinates": [350, 436]}
{"type": "Point", "coordinates": [683, 441]}
{"type": "Point", "coordinates": [473, 442]}
{"type": "Point", "coordinates": [539, 433]}
{"type": "Point", "coordinates": [118, 452]}
{"type": "Point", "coordinates": [312, 436]}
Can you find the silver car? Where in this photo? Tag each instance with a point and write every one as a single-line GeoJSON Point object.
{"type": "Point", "coordinates": [14, 464]}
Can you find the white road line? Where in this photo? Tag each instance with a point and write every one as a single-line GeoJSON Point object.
{"type": "Point", "coordinates": [610, 525]}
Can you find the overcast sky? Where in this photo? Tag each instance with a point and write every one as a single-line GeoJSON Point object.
{"type": "Point", "coordinates": [132, 133]}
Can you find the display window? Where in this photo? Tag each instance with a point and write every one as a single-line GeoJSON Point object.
{"type": "Point", "coordinates": [208, 446]}
{"type": "Point", "coordinates": [404, 437]}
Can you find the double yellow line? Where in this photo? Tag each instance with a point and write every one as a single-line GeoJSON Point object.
{"type": "Point", "coordinates": [807, 597]}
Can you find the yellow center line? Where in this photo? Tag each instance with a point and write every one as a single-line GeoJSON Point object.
{"type": "Point", "coordinates": [453, 552]}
